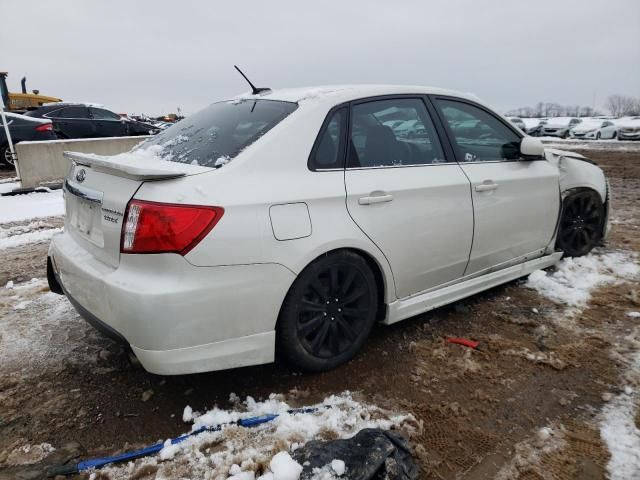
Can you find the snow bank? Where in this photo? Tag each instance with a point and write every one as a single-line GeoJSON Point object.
{"type": "Point", "coordinates": [8, 186]}
{"type": "Point", "coordinates": [24, 207]}
{"type": "Point", "coordinates": [574, 278]}
{"type": "Point", "coordinates": [263, 452]}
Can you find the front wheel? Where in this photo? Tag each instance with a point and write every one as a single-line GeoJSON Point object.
{"type": "Point", "coordinates": [328, 312]}
{"type": "Point", "coordinates": [581, 224]}
{"type": "Point", "coordinates": [598, 136]}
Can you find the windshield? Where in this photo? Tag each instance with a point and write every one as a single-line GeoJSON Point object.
{"type": "Point", "coordinates": [216, 134]}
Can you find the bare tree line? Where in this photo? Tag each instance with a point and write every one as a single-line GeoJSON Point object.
{"type": "Point", "coordinates": [616, 105]}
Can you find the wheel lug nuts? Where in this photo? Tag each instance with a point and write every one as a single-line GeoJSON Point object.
{"type": "Point", "coordinates": [325, 314]}
{"type": "Point", "coordinates": [339, 309]}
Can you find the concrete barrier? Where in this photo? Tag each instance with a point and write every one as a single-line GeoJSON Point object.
{"type": "Point", "coordinates": [42, 162]}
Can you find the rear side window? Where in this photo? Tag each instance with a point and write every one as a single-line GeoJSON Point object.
{"type": "Point", "coordinates": [70, 112]}
{"type": "Point", "coordinates": [219, 132]}
{"type": "Point", "coordinates": [329, 151]}
{"type": "Point", "coordinates": [397, 132]}
{"type": "Point", "coordinates": [102, 114]}
{"type": "Point", "coordinates": [478, 135]}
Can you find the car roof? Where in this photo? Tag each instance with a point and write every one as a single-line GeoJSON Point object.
{"type": "Point", "coordinates": [336, 94]}
{"type": "Point", "coordinates": [73, 104]}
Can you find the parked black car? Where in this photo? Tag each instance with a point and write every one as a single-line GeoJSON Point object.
{"type": "Point", "coordinates": [23, 128]}
{"type": "Point", "coordinates": [79, 120]}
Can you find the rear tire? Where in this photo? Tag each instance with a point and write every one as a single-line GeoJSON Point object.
{"type": "Point", "coordinates": [581, 224]}
{"type": "Point", "coordinates": [6, 160]}
{"type": "Point", "coordinates": [328, 312]}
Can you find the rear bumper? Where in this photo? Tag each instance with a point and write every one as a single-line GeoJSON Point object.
{"type": "Point", "coordinates": [176, 317]}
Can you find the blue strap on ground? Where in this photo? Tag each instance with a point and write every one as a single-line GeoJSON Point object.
{"type": "Point", "coordinates": [153, 449]}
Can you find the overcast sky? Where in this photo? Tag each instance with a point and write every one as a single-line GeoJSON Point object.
{"type": "Point", "coordinates": [154, 56]}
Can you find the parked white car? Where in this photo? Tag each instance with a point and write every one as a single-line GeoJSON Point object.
{"type": "Point", "coordinates": [517, 121]}
{"type": "Point", "coordinates": [291, 221]}
{"type": "Point", "coordinates": [629, 129]}
{"type": "Point", "coordinates": [559, 126]}
{"type": "Point", "coordinates": [594, 129]}
{"type": "Point", "coordinates": [533, 126]}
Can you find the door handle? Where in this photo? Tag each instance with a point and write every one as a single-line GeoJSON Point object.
{"type": "Point", "coordinates": [486, 186]}
{"type": "Point", "coordinates": [375, 198]}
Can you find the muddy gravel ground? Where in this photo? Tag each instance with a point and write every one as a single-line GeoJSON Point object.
{"type": "Point", "coordinates": [542, 367]}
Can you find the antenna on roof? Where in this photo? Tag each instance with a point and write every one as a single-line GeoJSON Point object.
{"type": "Point", "coordinates": [254, 90]}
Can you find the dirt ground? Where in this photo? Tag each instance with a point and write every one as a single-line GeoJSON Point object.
{"type": "Point", "coordinates": [481, 412]}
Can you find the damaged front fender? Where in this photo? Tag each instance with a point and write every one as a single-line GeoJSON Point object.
{"type": "Point", "coordinates": [577, 171]}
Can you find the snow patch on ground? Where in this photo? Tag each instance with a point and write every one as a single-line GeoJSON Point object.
{"type": "Point", "coordinates": [617, 426]}
{"type": "Point", "coordinates": [32, 205]}
{"type": "Point", "coordinates": [610, 145]}
{"type": "Point", "coordinates": [28, 454]}
{"type": "Point", "coordinates": [26, 238]}
{"type": "Point", "coordinates": [573, 279]}
{"type": "Point", "coordinates": [264, 451]}
{"type": "Point", "coordinates": [41, 330]}
{"type": "Point", "coordinates": [529, 453]}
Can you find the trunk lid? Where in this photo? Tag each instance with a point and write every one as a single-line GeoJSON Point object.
{"type": "Point", "coordinates": [98, 189]}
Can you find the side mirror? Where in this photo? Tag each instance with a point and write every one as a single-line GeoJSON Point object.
{"type": "Point", "coordinates": [531, 148]}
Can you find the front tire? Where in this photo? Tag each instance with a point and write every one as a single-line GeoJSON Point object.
{"type": "Point", "coordinates": [581, 224]}
{"type": "Point", "coordinates": [598, 136]}
{"type": "Point", "coordinates": [329, 312]}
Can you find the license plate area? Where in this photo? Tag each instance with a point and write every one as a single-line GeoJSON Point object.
{"type": "Point", "coordinates": [86, 220]}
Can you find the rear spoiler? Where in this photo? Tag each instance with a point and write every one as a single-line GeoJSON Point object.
{"type": "Point", "coordinates": [134, 168]}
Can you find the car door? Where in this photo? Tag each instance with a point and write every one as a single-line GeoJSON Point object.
{"type": "Point", "coordinates": [607, 130]}
{"type": "Point", "coordinates": [407, 194]}
{"type": "Point", "coordinates": [72, 122]}
{"type": "Point", "coordinates": [516, 201]}
{"type": "Point", "coordinates": [108, 124]}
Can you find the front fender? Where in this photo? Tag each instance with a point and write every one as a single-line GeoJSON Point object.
{"type": "Point", "coordinates": [577, 171]}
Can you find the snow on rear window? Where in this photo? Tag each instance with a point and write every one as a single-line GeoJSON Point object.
{"type": "Point", "coordinates": [218, 133]}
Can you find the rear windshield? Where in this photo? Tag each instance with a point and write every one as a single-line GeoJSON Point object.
{"type": "Point", "coordinates": [216, 134]}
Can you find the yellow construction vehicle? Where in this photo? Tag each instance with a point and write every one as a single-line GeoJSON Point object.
{"type": "Point", "coordinates": [19, 102]}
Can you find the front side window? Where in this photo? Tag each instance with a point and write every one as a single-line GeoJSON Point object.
{"type": "Point", "coordinates": [478, 135]}
{"type": "Point", "coordinates": [397, 132]}
{"type": "Point", "coordinates": [329, 152]}
{"type": "Point", "coordinates": [219, 132]}
{"type": "Point", "coordinates": [102, 114]}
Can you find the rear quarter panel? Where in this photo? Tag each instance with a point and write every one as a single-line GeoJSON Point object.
{"type": "Point", "coordinates": [271, 171]}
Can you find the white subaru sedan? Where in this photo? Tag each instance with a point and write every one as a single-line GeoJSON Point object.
{"type": "Point", "coordinates": [289, 222]}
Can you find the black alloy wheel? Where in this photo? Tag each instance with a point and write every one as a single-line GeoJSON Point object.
{"type": "Point", "coordinates": [582, 223]}
{"type": "Point", "coordinates": [329, 312]}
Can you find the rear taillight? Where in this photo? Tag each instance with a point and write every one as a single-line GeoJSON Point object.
{"type": "Point", "coordinates": [152, 227]}
{"type": "Point", "coordinates": [45, 127]}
